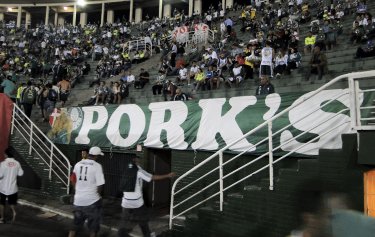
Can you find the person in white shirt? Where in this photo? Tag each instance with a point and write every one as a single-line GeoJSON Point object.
{"type": "Point", "coordinates": [88, 181]}
{"type": "Point", "coordinates": [182, 75]}
{"type": "Point", "coordinates": [10, 169]}
{"type": "Point", "coordinates": [266, 64]}
{"type": "Point", "coordinates": [133, 209]}
{"type": "Point", "coordinates": [193, 70]}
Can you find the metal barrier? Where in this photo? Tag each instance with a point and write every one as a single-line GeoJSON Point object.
{"type": "Point", "coordinates": [38, 143]}
{"type": "Point", "coordinates": [358, 121]}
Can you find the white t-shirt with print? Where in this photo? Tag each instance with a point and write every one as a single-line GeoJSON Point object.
{"type": "Point", "coordinates": [135, 199]}
{"type": "Point", "coordinates": [9, 170]}
{"type": "Point", "coordinates": [89, 175]}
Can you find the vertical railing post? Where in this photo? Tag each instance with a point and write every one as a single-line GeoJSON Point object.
{"type": "Point", "coordinates": [68, 177]}
{"type": "Point", "coordinates": [13, 118]}
{"type": "Point", "coordinates": [50, 162]}
{"type": "Point", "coordinates": [270, 153]}
{"type": "Point", "coordinates": [357, 103]}
{"type": "Point", "coordinates": [352, 104]}
{"type": "Point", "coordinates": [31, 136]}
{"type": "Point", "coordinates": [171, 209]}
{"type": "Point", "coordinates": [221, 180]}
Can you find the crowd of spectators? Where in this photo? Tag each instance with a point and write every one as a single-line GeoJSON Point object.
{"type": "Point", "coordinates": [56, 58]}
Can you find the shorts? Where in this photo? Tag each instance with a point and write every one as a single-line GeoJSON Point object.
{"type": "Point", "coordinates": [64, 96]}
{"type": "Point", "coordinates": [92, 213]}
{"type": "Point", "coordinates": [265, 70]}
{"type": "Point", "coordinates": [12, 199]}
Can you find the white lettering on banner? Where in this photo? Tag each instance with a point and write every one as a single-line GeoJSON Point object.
{"type": "Point", "coordinates": [316, 122]}
{"type": "Point", "coordinates": [273, 102]}
{"type": "Point", "coordinates": [212, 122]}
{"type": "Point", "coordinates": [175, 133]}
{"type": "Point", "coordinates": [136, 125]}
{"type": "Point", "coordinates": [88, 124]}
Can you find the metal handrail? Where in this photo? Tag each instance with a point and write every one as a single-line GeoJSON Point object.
{"type": "Point", "coordinates": [354, 109]}
{"type": "Point", "coordinates": [33, 135]}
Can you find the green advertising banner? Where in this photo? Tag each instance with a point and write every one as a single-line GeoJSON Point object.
{"type": "Point", "coordinates": [208, 124]}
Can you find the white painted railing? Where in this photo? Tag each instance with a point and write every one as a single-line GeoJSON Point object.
{"type": "Point", "coordinates": [358, 121]}
{"type": "Point", "coordinates": [137, 45]}
{"type": "Point", "coordinates": [42, 148]}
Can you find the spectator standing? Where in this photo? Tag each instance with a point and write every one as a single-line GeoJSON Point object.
{"type": "Point", "coordinates": [64, 88]}
{"type": "Point", "coordinates": [88, 181]}
{"type": "Point", "coordinates": [265, 87]}
{"type": "Point", "coordinates": [133, 209]}
{"type": "Point", "coordinates": [28, 98]}
{"type": "Point", "coordinates": [10, 169]}
{"type": "Point", "coordinates": [266, 64]}
{"type": "Point", "coordinates": [9, 88]}
{"type": "Point", "coordinates": [229, 24]}
{"type": "Point", "coordinates": [173, 54]}
{"type": "Point", "coordinates": [318, 64]}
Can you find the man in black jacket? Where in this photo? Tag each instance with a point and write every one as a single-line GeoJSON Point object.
{"type": "Point", "coordinates": [265, 87]}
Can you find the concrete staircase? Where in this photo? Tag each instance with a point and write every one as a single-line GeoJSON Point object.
{"type": "Point", "coordinates": [254, 210]}
{"type": "Point", "coordinates": [50, 187]}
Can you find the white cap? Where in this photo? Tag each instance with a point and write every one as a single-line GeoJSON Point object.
{"type": "Point", "coordinates": [96, 151]}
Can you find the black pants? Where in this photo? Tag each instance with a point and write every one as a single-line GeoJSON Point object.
{"type": "Point", "coordinates": [229, 30]}
{"type": "Point", "coordinates": [173, 59]}
{"type": "Point", "coordinates": [28, 108]}
{"type": "Point", "coordinates": [157, 88]}
{"type": "Point", "coordinates": [316, 70]}
{"type": "Point", "coordinates": [132, 217]}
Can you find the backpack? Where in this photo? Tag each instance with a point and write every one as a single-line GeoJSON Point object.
{"type": "Point", "coordinates": [52, 95]}
{"type": "Point", "coordinates": [29, 95]}
{"type": "Point", "coordinates": [129, 178]}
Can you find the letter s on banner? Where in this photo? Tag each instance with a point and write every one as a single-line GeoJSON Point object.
{"type": "Point", "coordinates": [331, 140]}
{"type": "Point", "coordinates": [136, 125]}
{"type": "Point", "coordinates": [88, 124]}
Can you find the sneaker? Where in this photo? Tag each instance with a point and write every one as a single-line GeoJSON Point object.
{"type": "Point", "coordinates": [96, 104]}
{"type": "Point", "coordinates": [153, 234]}
{"type": "Point", "coordinates": [101, 103]}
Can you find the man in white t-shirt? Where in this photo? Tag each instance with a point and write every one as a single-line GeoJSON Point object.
{"type": "Point", "coordinates": [10, 169]}
{"type": "Point", "coordinates": [133, 209]}
{"type": "Point", "coordinates": [182, 75]}
{"type": "Point", "coordinates": [88, 181]}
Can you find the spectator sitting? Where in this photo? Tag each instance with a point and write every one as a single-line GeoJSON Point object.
{"type": "Point", "coordinates": [180, 96]}
{"type": "Point", "coordinates": [217, 78]}
{"type": "Point", "coordinates": [294, 60]}
{"type": "Point", "coordinates": [169, 89]}
{"type": "Point", "coordinates": [182, 75]}
{"type": "Point", "coordinates": [200, 79]}
{"type": "Point", "coordinates": [366, 51]}
{"type": "Point", "coordinates": [193, 71]}
{"type": "Point", "coordinates": [236, 77]}
{"type": "Point", "coordinates": [101, 93]}
{"type": "Point", "coordinates": [281, 62]}
{"type": "Point", "coordinates": [144, 78]}
{"type": "Point", "coordinates": [128, 77]}
{"type": "Point", "coordinates": [159, 83]}
{"type": "Point", "coordinates": [116, 93]}
{"type": "Point", "coordinates": [265, 87]}
{"type": "Point", "coordinates": [318, 64]}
